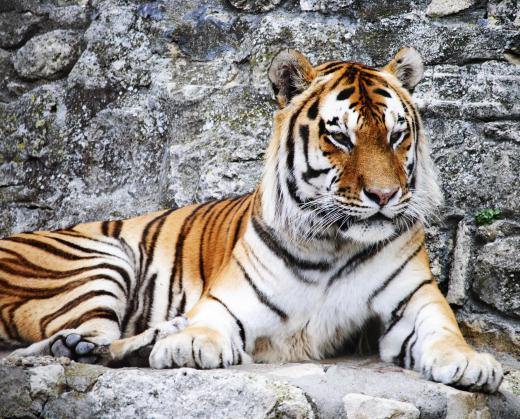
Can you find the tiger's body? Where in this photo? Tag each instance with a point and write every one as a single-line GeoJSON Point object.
{"type": "Point", "coordinates": [329, 245]}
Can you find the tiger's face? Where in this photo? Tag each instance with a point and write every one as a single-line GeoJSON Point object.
{"type": "Point", "coordinates": [350, 156]}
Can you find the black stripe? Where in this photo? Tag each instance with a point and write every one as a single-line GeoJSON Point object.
{"type": "Point", "coordinates": [382, 92]}
{"type": "Point", "coordinates": [118, 225]}
{"type": "Point", "coordinates": [142, 321]}
{"type": "Point", "coordinates": [345, 93]}
{"type": "Point", "coordinates": [47, 248]}
{"type": "Point", "coordinates": [241, 331]}
{"type": "Point", "coordinates": [331, 64]}
{"type": "Point", "coordinates": [177, 268]}
{"type": "Point", "coordinates": [82, 248]}
{"type": "Point", "coordinates": [104, 227]}
{"type": "Point", "coordinates": [310, 173]}
{"type": "Point", "coordinates": [49, 274]}
{"type": "Point", "coordinates": [45, 320]}
{"type": "Point", "coordinates": [312, 112]}
{"type": "Point", "coordinates": [182, 304]}
{"type": "Point", "coordinates": [291, 180]}
{"type": "Point", "coordinates": [209, 219]}
{"type": "Point", "coordinates": [332, 69]}
{"type": "Point", "coordinates": [236, 210]}
{"type": "Point", "coordinates": [97, 313]}
{"type": "Point", "coordinates": [237, 229]}
{"type": "Point", "coordinates": [399, 359]}
{"type": "Point", "coordinates": [266, 234]}
{"type": "Point", "coordinates": [355, 261]}
{"type": "Point", "coordinates": [146, 254]}
{"type": "Point", "coordinates": [261, 296]}
{"type": "Point", "coordinates": [395, 317]}
{"type": "Point", "coordinates": [350, 72]}
{"type": "Point", "coordinates": [387, 281]}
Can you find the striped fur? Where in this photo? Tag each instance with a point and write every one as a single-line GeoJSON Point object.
{"type": "Point", "coordinates": [327, 253]}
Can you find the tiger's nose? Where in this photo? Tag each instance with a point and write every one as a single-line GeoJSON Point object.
{"type": "Point", "coordinates": [380, 196]}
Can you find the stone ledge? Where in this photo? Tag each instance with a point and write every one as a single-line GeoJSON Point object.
{"type": "Point", "coordinates": [59, 388]}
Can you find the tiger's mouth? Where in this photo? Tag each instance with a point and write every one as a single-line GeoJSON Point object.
{"type": "Point", "coordinates": [378, 217]}
{"type": "Point", "coordinates": [372, 229]}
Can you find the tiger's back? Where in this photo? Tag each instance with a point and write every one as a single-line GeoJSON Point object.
{"type": "Point", "coordinates": [118, 275]}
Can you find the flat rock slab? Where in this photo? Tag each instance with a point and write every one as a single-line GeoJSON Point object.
{"type": "Point", "coordinates": [58, 388]}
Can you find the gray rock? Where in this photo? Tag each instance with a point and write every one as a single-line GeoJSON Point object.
{"type": "Point", "coordinates": [180, 393]}
{"type": "Point", "coordinates": [48, 56]}
{"type": "Point", "coordinates": [497, 275]}
{"type": "Point", "coordinates": [169, 103]}
{"type": "Point", "coordinates": [447, 7]}
{"type": "Point", "coordinates": [325, 6]}
{"type": "Point", "coordinates": [498, 229]}
{"type": "Point", "coordinates": [16, 28]}
{"type": "Point", "coordinates": [459, 268]}
{"type": "Point", "coordinates": [256, 6]}
{"type": "Point", "coordinates": [490, 332]}
{"type": "Point", "coordinates": [359, 406]}
{"type": "Point", "coordinates": [261, 391]}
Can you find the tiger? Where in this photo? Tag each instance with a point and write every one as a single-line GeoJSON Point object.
{"type": "Point", "coordinates": [327, 253]}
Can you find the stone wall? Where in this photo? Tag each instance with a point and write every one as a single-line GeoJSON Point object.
{"type": "Point", "coordinates": [112, 108]}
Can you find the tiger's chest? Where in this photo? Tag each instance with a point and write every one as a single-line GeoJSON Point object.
{"type": "Point", "coordinates": [331, 306]}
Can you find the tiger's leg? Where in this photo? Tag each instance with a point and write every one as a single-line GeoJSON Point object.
{"type": "Point", "coordinates": [422, 334]}
{"type": "Point", "coordinates": [213, 339]}
{"type": "Point", "coordinates": [87, 343]}
{"type": "Point", "coordinates": [122, 349]}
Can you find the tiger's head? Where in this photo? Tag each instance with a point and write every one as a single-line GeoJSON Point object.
{"type": "Point", "coordinates": [348, 156]}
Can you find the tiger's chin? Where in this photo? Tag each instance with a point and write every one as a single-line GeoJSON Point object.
{"type": "Point", "coordinates": [370, 231]}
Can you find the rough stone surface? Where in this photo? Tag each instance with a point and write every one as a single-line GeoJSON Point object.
{"type": "Point", "coordinates": [15, 28]}
{"type": "Point", "coordinates": [459, 268]}
{"type": "Point", "coordinates": [447, 7]}
{"type": "Point", "coordinates": [359, 406]}
{"type": "Point", "coordinates": [48, 388]}
{"type": "Point", "coordinates": [497, 276]}
{"type": "Point", "coordinates": [254, 5]}
{"type": "Point", "coordinates": [47, 55]}
{"type": "Point", "coordinates": [161, 104]}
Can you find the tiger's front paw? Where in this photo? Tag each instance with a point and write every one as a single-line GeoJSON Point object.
{"type": "Point", "coordinates": [196, 347]}
{"type": "Point", "coordinates": [466, 369]}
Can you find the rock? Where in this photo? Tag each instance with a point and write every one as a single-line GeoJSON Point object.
{"type": "Point", "coordinates": [49, 55]}
{"type": "Point", "coordinates": [499, 229]}
{"type": "Point", "coordinates": [503, 131]}
{"type": "Point", "coordinates": [490, 332]}
{"type": "Point", "coordinates": [324, 6]}
{"type": "Point", "coordinates": [459, 268]}
{"type": "Point", "coordinates": [46, 380]}
{"type": "Point", "coordinates": [73, 16]}
{"type": "Point", "coordinates": [439, 8]}
{"type": "Point", "coordinates": [255, 6]}
{"type": "Point", "coordinates": [462, 404]}
{"type": "Point", "coordinates": [300, 390]}
{"type": "Point", "coordinates": [497, 275]}
{"type": "Point", "coordinates": [179, 393]}
{"type": "Point", "coordinates": [502, 12]}
{"type": "Point", "coordinates": [359, 406]}
{"type": "Point", "coordinates": [16, 28]}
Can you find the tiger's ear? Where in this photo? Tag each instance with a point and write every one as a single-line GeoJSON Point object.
{"type": "Point", "coordinates": [407, 66]}
{"type": "Point", "coordinates": [290, 74]}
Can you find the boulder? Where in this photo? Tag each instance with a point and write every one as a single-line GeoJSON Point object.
{"type": "Point", "coordinates": [359, 406]}
{"type": "Point", "coordinates": [497, 275]}
{"type": "Point", "coordinates": [49, 55]}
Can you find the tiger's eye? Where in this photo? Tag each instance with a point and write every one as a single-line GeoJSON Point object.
{"type": "Point", "coordinates": [394, 138]}
{"type": "Point", "coordinates": [342, 139]}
